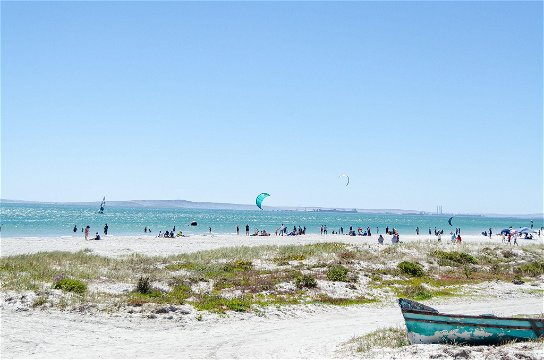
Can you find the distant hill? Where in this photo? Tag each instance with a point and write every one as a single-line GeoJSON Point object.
{"type": "Point", "coordinates": [185, 204]}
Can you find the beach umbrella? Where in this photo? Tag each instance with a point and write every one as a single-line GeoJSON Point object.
{"type": "Point", "coordinates": [506, 231]}
{"type": "Point", "coordinates": [526, 230]}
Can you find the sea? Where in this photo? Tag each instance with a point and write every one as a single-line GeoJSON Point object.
{"type": "Point", "coordinates": [51, 220]}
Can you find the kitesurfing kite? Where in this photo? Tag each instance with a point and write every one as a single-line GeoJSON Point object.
{"type": "Point", "coordinates": [260, 198]}
{"type": "Point", "coordinates": [347, 178]}
{"type": "Point", "coordinates": [449, 221]}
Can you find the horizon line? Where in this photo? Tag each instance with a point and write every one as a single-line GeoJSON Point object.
{"type": "Point", "coordinates": [325, 208]}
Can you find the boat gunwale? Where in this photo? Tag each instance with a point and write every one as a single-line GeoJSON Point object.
{"type": "Point", "coordinates": [516, 327]}
{"type": "Point", "coordinates": [470, 316]}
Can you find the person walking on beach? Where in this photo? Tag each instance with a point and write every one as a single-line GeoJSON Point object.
{"type": "Point", "coordinates": [106, 229]}
{"type": "Point", "coordinates": [87, 232]}
{"type": "Point", "coordinates": [516, 239]}
{"type": "Point", "coordinates": [247, 230]}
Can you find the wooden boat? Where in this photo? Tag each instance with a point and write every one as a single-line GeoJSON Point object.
{"type": "Point", "coordinates": [426, 325]}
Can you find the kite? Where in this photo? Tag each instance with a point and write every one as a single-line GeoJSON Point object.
{"type": "Point", "coordinates": [449, 221]}
{"type": "Point", "coordinates": [260, 198]}
{"type": "Point", "coordinates": [347, 177]}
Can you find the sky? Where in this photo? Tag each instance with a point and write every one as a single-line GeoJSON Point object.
{"type": "Point", "coordinates": [421, 103]}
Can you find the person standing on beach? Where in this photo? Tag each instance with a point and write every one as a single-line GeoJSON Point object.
{"type": "Point", "coordinates": [490, 233]}
{"type": "Point", "coordinates": [210, 229]}
{"type": "Point", "coordinates": [75, 228]}
{"type": "Point", "coordinates": [531, 224]}
{"type": "Point", "coordinates": [429, 231]}
{"type": "Point", "coordinates": [247, 230]}
{"type": "Point", "coordinates": [106, 229]}
{"type": "Point", "coordinates": [87, 232]}
{"type": "Point", "coordinates": [341, 230]}
{"type": "Point", "coordinates": [387, 230]}
{"type": "Point", "coordinates": [237, 230]}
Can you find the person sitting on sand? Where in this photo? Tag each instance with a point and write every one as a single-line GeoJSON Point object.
{"type": "Point", "coordinates": [380, 239]}
{"type": "Point", "coordinates": [394, 239]}
{"type": "Point", "coordinates": [256, 233]}
{"type": "Point", "coordinates": [97, 237]}
{"type": "Point", "coordinates": [458, 239]}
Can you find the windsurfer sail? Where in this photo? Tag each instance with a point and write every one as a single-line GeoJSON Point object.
{"type": "Point", "coordinates": [102, 205]}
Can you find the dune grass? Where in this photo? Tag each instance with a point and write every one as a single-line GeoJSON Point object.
{"type": "Point", "coordinates": [241, 278]}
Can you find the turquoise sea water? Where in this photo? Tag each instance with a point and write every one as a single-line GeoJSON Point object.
{"type": "Point", "coordinates": [59, 220]}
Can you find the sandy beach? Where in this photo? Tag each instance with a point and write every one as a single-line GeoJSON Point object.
{"type": "Point", "coordinates": [112, 245]}
{"type": "Point", "coordinates": [291, 331]}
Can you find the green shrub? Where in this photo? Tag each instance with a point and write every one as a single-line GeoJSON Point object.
{"type": "Point", "coordinates": [70, 285]}
{"type": "Point", "coordinates": [305, 281]}
{"type": "Point", "coordinates": [417, 292]}
{"type": "Point", "coordinates": [143, 286]}
{"type": "Point", "coordinates": [534, 268]}
{"type": "Point", "coordinates": [219, 304]}
{"type": "Point", "coordinates": [337, 273]}
{"type": "Point", "coordinates": [410, 268]}
{"type": "Point", "coordinates": [238, 265]}
{"type": "Point", "coordinates": [453, 258]}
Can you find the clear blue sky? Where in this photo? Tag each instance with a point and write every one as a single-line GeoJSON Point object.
{"type": "Point", "coordinates": [421, 103]}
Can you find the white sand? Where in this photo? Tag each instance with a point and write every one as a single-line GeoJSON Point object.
{"type": "Point", "coordinates": [149, 245]}
{"type": "Point", "coordinates": [302, 334]}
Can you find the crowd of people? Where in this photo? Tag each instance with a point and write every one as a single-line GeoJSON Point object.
{"type": "Point", "coordinates": [509, 237]}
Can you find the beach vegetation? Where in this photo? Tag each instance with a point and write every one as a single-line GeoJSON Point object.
{"type": "Point", "coordinates": [411, 268]}
{"type": "Point", "coordinates": [305, 281]}
{"type": "Point", "coordinates": [70, 285]}
{"type": "Point", "coordinates": [453, 258]}
{"type": "Point", "coordinates": [220, 304]}
{"type": "Point", "coordinates": [508, 253]}
{"type": "Point", "coordinates": [391, 337]}
{"type": "Point", "coordinates": [342, 301]}
{"type": "Point", "coordinates": [337, 273]}
{"type": "Point", "coordinates": [416, 292]}
{"type": "Point", "coordinates": [534, 268]}
{"type": "Point", "coordinates": [40, 301]}
{"type": "Point", "coordinates": [210, 279]}
{"type": "Point", "coordinates": [143, 286]}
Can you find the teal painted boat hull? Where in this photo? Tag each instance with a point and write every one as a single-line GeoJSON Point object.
{"type": "Point", "coordinates": [426, 325]}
